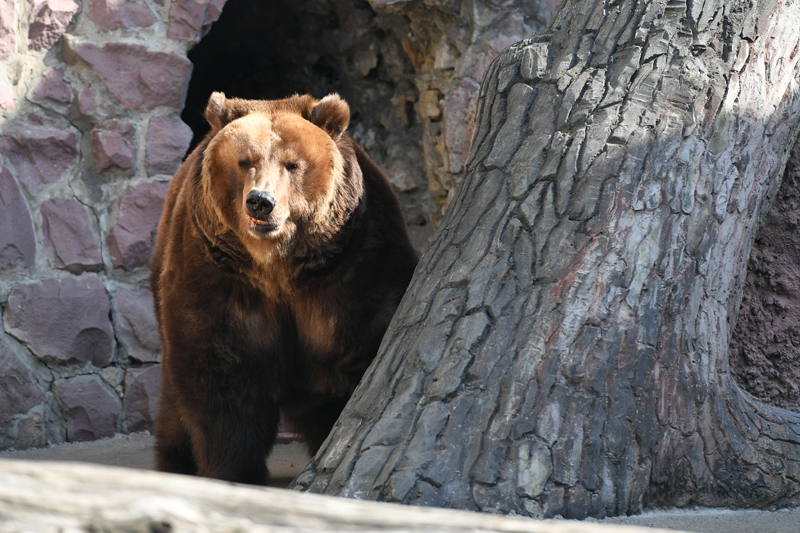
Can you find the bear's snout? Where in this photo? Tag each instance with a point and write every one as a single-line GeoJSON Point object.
{"type": "Point", "coordinates": [259, 204]}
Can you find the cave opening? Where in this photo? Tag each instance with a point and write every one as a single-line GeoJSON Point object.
{"type": "Point", "coordinates": [271, 50]}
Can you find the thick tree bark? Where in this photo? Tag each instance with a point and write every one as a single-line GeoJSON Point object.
{"type": "Point", "coordinates": [562, 348]}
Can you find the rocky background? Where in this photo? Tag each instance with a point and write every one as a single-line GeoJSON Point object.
{"type": "Point", "coordinates": [99, 101]}
{"type": "Point", "coordinates": [90, 133]}
{"type": "Point", "coordinates": [765, 346]}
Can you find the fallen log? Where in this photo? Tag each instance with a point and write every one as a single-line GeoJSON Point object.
{"type": "Point", "coordinates": [67, 497]}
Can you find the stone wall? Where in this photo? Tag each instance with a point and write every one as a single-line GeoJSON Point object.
{"type": "Point", "coordinates": [90, 134]}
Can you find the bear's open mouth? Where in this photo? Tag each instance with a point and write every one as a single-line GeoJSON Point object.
{"type": "Point", "coordinates": [260, 226]}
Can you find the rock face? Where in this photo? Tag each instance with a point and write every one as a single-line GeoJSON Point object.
{"type": "Point", "coordinates": [53, 87]}
{"type": "Point", "coordinates": [188, 17]}
{"type": "Point", "coordinates": [113, 146]}
{"type": "Point", "coordinates": [63, 321]}
{"type": "Point", "coordinates": [69, 235]}
{"type": "Point", "coordinates": [168, 138]}
{"type": "Point", "coordinates": [52, 17]}
{"type": "Point", "coordinates": [138, 78]}
{"type": "Point", "coordinates": [110, 15]}
{"type": "Point", "coordinates": [135, 324]}
{"type": "Point", "coordinates": [93, 408]}
{"type": "Point", "coordinates": [131, 241]}
{"type": "Point", "coordinates": [17, 240]}
{"type": "Point", "coordinates": [141, 397]}
{"type": "Point", "coordinates": [39, 156]}
{"type": "Point", "coordinates": [19, 392]}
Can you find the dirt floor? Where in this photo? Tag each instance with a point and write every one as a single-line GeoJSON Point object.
{"type": "Point", "coordinates": [136, 451]}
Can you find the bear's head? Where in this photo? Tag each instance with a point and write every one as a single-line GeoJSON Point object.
{"type": "Point", "coordinates": [277, 171]}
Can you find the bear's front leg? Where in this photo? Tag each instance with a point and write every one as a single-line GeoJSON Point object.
{"type": "Point", "coordinates": [231, 443]}
{"type": "Point", "coordinates": [227, 416]}
{"type": "Point", "coordinates": [173, 444]}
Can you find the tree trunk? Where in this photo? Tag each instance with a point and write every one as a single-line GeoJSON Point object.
{"type": "Point", "coordinates": [562, 348]}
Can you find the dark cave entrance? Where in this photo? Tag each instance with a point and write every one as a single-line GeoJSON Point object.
{"type": "Point", "coordinates": [262, 50]}
{"type": "Point", "coordinates": [273, 49]}
{"type": "Point", "coordinates": [269, 50]}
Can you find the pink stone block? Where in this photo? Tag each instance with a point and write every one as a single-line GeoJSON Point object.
{"type": "Point", "coordinates": [39, 156]}
{"type": "Point", "coordinates": [51, 19]}
{"type": "Point", "coordinates": [63, 321]}
{"type": "Point", "coordinates": [53, 87]}
{"type": "Point", "coordinates": [168, 139]}
{"type": "Point", "coordinates": [68, 234]}
{"type": "Point", "coordinates": [135, 324]}
{"type": "Point", "coordinates": [19, 391]}
{"type": "Point", "coordinates": [17, 240]}
{"type": "Point", "coordinates": [112, 143]}
{"type": "Point", "coordinates": [8, 36]}
{"type": "Point", "coordinates": [138, 78]}
{"type": "Point", "coordinates": [92, 407]}
{"type": "Point", "coordinates": [187, 17]}
{"type": "Point", "coordinates": [141, 397]}
{"type": "Point", "coordinates": [110, 15]}
{"type": "Point", "coordinates": [131, 241]}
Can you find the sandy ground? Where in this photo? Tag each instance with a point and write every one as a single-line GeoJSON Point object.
{"type": "Point", "coordinates": [136, 451]}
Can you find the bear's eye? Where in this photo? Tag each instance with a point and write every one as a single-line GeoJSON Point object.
{"type": "Point", "coordinates": [244, 163]}
{"type": "Point", "coordinates": [292, 166]}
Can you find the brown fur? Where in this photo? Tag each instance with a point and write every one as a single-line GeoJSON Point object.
{"type": "Point", "coordinates": [288, 318]}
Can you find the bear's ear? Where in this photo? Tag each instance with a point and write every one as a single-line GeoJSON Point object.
{"type": "Point", "coordinates": [217, 111]}
{"type": "Point", "coordinates": [332, 114]}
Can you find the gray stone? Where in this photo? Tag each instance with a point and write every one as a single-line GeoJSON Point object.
{"type": "Point", "coordinates": [141, 397]}
{"type": "Point", "coordinates": [32, 431]}
{"type": "Point", "coordinates": [135, 323]}
{"type": "Point", "coordinates": [68, 234]}
{"type": "Point", "coordinates": [40, 156]}
{"type": "Point", "coordinates": [168, 138]}
{"type": "Point", "coordinates": [17, 240]}
{"type": "Point", "coordinates": [19, 392]}
{"type": "Point", "coordinates": [65, 321]}
{"type": "Point", "coordinates": [92, 408]}
{"type": "Point", "coordinates": [131, 240]}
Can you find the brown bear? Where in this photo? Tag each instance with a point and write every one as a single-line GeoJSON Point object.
{"type": "Point", "coordinates": [281, 256]}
